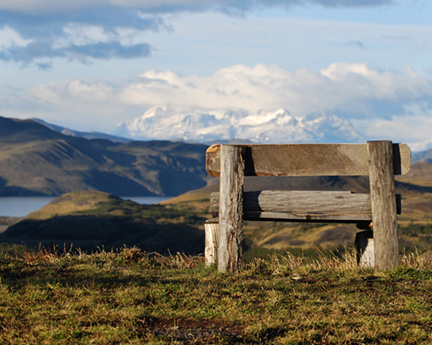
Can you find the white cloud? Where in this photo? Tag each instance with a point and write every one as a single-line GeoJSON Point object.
{"type": "Point", "coordinates": [414, 130]}
{"type": "Point", "coordinates": [81, 35]}
{"type": "Point", "coordinates": [11, 38]}
{"type": "Point", "coordinates": [340, 86]}
{"type": "Point", "coordinates": [379, 103]}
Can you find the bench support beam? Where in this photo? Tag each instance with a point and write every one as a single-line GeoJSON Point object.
{"type": "Point", "coordinates": [231, 209]}
{"type": "Point", "coordinates": [382, 192]}
{"type": "Point", "coordinates": [211, 243]}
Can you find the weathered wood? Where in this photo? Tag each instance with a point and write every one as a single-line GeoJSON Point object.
{"type": "Point", "coordinates": [327, 206]}
{"type": "Point", "coordinates": [313, 217]}
{"type": "Point", "coordinates": [308, 160]}
{"type": "Point", "coordinates": [365, 249]}
{"type": "Point", "coordinates": [382, 190]}
{"type": "Point", "coordinates": [332, 202]}
{"type": "Point", "coordinates": [211, 243]}
{"type": "Point", "coordinates": [231, 209]}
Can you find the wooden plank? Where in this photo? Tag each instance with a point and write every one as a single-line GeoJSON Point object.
{"type": "Point", "coordinates": [231, 209]}
{"type": "Point", "coordinates": [299, 202]}
{"type": "Point", "coordinates": [307, 217]}
{"type": "Point", "coordinates": [313, 217]}
{"type": "Point", "coordinates": [308, 160]}
{"type": "Point", "coordinates": [329, 202]}
{"type": "Point", "coordinates": [383, 203]}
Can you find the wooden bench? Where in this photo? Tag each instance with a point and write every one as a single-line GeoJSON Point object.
{"type": "Point", "coordinates": [380, 160]}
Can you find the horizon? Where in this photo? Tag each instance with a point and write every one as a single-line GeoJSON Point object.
{"type": "Point", "coordinates": [93, 67]}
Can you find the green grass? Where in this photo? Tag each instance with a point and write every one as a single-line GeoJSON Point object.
{"type": "Point", "coordinates": [130, 297]}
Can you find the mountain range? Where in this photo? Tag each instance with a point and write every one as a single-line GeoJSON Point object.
{"type": "Point", "coordinates": [78, 134]}
{"type": "Point", "coordinates": [37, 160]}
{"type": "Point", "coordinates": [263, 127]}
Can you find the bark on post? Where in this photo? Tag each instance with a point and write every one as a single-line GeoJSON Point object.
{"type": "Point", "coordinates": [382, 190]}
{"type": "Point", "coordinates": [211, 243]}
{"type": "Point", "coordinates": [231, 209]}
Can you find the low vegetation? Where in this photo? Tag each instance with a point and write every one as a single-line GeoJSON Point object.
{"type": "Point", "coordinates": [131, 297]}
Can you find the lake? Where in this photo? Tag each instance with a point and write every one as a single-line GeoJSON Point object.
{"type": "Point", "coordinates": [20, 206]}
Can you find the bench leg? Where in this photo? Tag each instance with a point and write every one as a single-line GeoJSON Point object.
{"type": "Point", "coordinates": [211, 243]}
{"type": "Point", "coordinates": [231, 209]}
{"type": "Point", "coordinates": [365, 249]}
{"type": "Point", "coordinates": [383, 202]}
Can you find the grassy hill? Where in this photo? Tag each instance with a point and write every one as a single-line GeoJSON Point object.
{"type": "Point", "coordinates": [130, 297]}
{"type": "Point", "coordinates": [35, 160]}
{"type": "Point", "coordinates": [415, 222]}
{"type": "Point", "coordinates": [91, 220]}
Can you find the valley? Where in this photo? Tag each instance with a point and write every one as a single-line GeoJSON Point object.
{"type": "Point", "coordinates": [37, 160]}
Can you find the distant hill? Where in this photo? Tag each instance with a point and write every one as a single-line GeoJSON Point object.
{"type": "Point", "coordinates": [91, 220]}
{"type": "Point", "coordinates": [78, 134]}
{"type": "Point", "coordinates": [35, 160]}
{"type": "Point", "coordinates": [423, 156]}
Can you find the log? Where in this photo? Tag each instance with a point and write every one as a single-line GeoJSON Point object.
{"type": "Point", "coordinates": [231, 209]}
{"type": "Point", "coordinates": [308, 160]}
{"type": "Point", "coordinates": [382, 191]}
{"type": "Point", "coordinates": [211, 243]}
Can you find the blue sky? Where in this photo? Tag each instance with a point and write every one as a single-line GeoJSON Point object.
{"type": "Point", "coordinates": [93, 65]}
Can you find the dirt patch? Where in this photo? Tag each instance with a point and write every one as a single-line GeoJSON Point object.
{"type": "Point", "coordinates": [193, 331]}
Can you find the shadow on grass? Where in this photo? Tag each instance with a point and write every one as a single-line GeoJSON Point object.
{"type": "Point", "coordinates": [92, 232]}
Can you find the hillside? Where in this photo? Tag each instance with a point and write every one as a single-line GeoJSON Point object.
{"type": "Point", "coordinates": [130, 297]}
{"type": "Point", "coordinates": [35, 160]}
{"type": "Point", "coordinates": [424, 156]}
{"type": "Point", "coordinates": [415, 222]}
{"type": "Point", "coordinates": [91, 220]}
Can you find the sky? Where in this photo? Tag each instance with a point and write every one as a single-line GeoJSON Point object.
{"type": "Point", "coordinates": [91, 65]}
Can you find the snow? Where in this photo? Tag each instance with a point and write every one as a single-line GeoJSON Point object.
{"type": "Point", "coordinates": [277, 126]}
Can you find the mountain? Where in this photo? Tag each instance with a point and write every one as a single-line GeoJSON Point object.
{"type": "Point", "coordinates": [35, 160]}
{"type": "Point", "coordinates": [78, 134]}
{"type": "Point", "coordinates": [422, 156]}
{"type": "Point", "coordinates": [263, 127]}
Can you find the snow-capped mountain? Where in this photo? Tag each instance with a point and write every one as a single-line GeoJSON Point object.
{"type": "Point", "coordinates": [264, 127]}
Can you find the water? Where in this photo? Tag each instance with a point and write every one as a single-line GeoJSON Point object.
{"type": "Point", "coordinates": [20, 206]}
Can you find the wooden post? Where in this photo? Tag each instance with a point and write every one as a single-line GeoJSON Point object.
{"type": "Point", "coordinates": [232, 167]}
{"type": "Point", "coordinates": [365, 248]}
{"type": "Point", "coordinates": [211, 243]}
{"type": "Point", "coordinates": [382, 190]}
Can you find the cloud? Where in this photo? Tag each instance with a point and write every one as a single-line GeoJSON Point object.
{"type": "Point", "coordinates": [33, 29]}
{"type": "Point", "coordinates": [84, 34]}
{"type": "Point", "coordinates": [164, 6]}
{"type": "Point", "coordinates": [349, 88]}
{"type": "Point", "coordinates": [357, 44]}
{"type": "Point", "coordinates": [369, 97]}
{"type": "Point", "coordinates": [44, 66]}
{"type": "Point", "coordinates": [74, 52]}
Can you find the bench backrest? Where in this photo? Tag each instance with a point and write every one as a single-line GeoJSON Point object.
{"type": "Point", "coordinates": [308, 160]}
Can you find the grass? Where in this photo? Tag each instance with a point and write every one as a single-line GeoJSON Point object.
{"type": "Point", "coordinates": [130, 297]}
